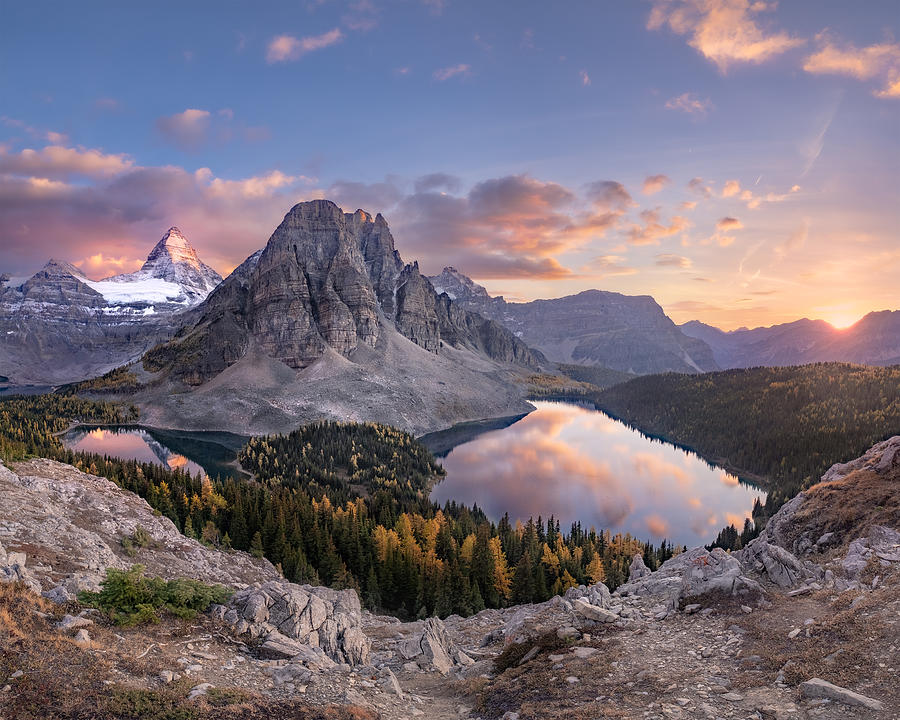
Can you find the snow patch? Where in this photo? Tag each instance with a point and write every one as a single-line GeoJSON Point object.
{"type": "Point", "coordinates": [148, 290]}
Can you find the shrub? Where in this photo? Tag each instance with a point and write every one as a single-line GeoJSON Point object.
{"type": "Point", "coordinates": [130, 598]}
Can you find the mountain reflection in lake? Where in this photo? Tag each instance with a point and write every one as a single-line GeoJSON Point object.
{"type": "Point", "coordinates": [211, 453]}
{"type": "Point", "coordinates": [581, 465]}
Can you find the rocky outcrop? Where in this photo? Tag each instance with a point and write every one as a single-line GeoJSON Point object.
{"type": "Point", "coordinates": [881, 547]}
{"type": "Point", "coordinates": [696, 574]}
{"type": "Point", "coordinates": [13, 569]}
{"type": "Point", "coordinates": [779, 565]}
{"type": "Point", "coordinates": [289, 618]}
{"type": "Point", "coordinates": [637, 569]}
{"type": "Point", "coordinates": [432, 648]}
{"type": "Point", "coordinates": [76, 524]}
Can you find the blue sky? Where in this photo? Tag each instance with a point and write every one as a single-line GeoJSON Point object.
{"type": "Point", "coordinates": [483, 131]}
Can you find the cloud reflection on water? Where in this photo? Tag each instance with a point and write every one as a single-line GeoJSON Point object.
{"type": "Point", "coordinates": [578, 464]}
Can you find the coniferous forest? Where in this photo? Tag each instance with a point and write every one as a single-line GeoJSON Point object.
{"type": "Point", "coordinates": [786, 425]}
{"type": "Point", "coordinates": [346, 505]}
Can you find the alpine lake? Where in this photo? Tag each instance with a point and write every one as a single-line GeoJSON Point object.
{"type": "Point", "coordinates": [563, 459]}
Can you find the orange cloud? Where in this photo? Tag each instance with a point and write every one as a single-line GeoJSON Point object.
{"type": "Point", "coordinates": [654, 183]}
{"type": "Point", "coordinates": [866, 63]}
{"type": "Point", "coordinates": [657, 526]}
{"type": "Point", "coordinates": [253, 187]}
{"type": "Point", "coordinates": [283, 48]}
{"type": "Point", "coordinates": [100, 265]}
{"type": "Point", "coordinates": [732, 188]}
{"type": "Point", "coordinates": [723, 31]}
{"type": "Point", "coordinates": [729, 223]}
{"type": "Point", "coordinates": [653, 229]}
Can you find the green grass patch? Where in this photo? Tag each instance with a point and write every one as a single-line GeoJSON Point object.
{"type": "Point", "coordinates": [131, 598]}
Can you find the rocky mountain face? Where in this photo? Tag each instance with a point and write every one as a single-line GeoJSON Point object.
{"type": "Point", "coordinates": [330, 301]}
{"type": "Point", "coordinates": [801, 623]}
{"type": "Point", "coordinates": [621, 332]}
{"type": "Point", "coordinates": [874, 340]}
{"type": "Point", "coordinates": [326, 280]}
{"type": "Point", "coordinates": [59, 326]}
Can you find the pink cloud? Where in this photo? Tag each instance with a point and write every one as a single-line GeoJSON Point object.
{"type": "Point", "coordinates": [284, 48]}
{"type": "Point", "coordinates": [55, 161]}
{"type": "Point", "coordinates": [442, 74]}
{"type": "Point", "coordinates": [654, 183]}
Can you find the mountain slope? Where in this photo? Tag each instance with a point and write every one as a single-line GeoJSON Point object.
{"type": "Point", "coordinates": [874, 340]}
{"type": "Point", "coordinates": [59, 326]}
{"type": "Point", "coordinates": [328, 320]}
{"type": "Point", "coordinates": [626, 333]}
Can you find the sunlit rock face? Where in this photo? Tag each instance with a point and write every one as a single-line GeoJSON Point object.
{"type": "Point", "coordinates": [326, 281]}
{"type": "Point", "coordinates": [61, 326]}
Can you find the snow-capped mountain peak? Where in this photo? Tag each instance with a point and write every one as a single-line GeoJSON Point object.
{"type": "Point", "coordinates": [173, 273]}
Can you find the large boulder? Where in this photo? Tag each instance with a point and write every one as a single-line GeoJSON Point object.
{"type": "Point", "coordinates": [12, 569]}
{"type": "Point", "coordinates": [882, 545]}
{"type": "Point", "coordinates": [433, 648]}
{"type": "Point", "coordinates": [597, 594]}
{"type": "Point", "coordinates": [638, 569]}
{"type": "Point", "coordinates": [289, 616]}
{"type": "Point", "coordinates": [781, 566]}
{"type": "Point", "coordinates": [694, 574]}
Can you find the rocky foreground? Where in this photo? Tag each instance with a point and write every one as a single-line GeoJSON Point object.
{"type": "Point", "coordinates": [802, 623]}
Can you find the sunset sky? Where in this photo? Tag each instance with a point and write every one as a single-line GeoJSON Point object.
{"type": "Point", "coordinates": [738, 160]}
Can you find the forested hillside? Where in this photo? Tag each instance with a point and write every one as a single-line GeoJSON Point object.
{"type": "Point", "coordinates": [787, 424]}
{"type": "Point", "coordinates": [346, 505]}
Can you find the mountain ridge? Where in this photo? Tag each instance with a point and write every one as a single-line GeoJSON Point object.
{"type": "Point", "coordinates": [60, 326]}
{"type": "Point", "coordinates": [627, 333]}
{"type": "Point", "coordinates": [872, 340]}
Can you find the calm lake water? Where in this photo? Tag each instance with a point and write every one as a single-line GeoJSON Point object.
{"type": "Point", "coordinates": [211, 453]}
{"type": "Point", "coordinates": [562, 459]}
{"type": "Point", "coordinates": [581, 465]}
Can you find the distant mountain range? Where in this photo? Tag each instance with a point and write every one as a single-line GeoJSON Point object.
{"type": "Point", "coordinates": [327, 320]}
{"type": "Point", "coordinates": [59, 326]}
{"type": "Point", "coordinates": [874, 340]}
{"type": "Point", "coordinates": [627, 333]}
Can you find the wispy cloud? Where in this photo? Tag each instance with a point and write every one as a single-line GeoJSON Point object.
{"type": "Point", "coordinates": [690, 103]}
{"type": "Point", "coordinates": [725, 32]}
{"type": "Point", "coordinates": [442, 74]}
{"type": "Point", "coordinates": [284, 48]}
{"type": "Point", "coordinates": [585, 78]}
{"type": "Point", "coordinates": [675, 261]}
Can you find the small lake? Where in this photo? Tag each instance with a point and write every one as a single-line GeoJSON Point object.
{"type": "Point", "coordinates": [210, 453]}
{"type": "Point", "coordinates": [579, 464]}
